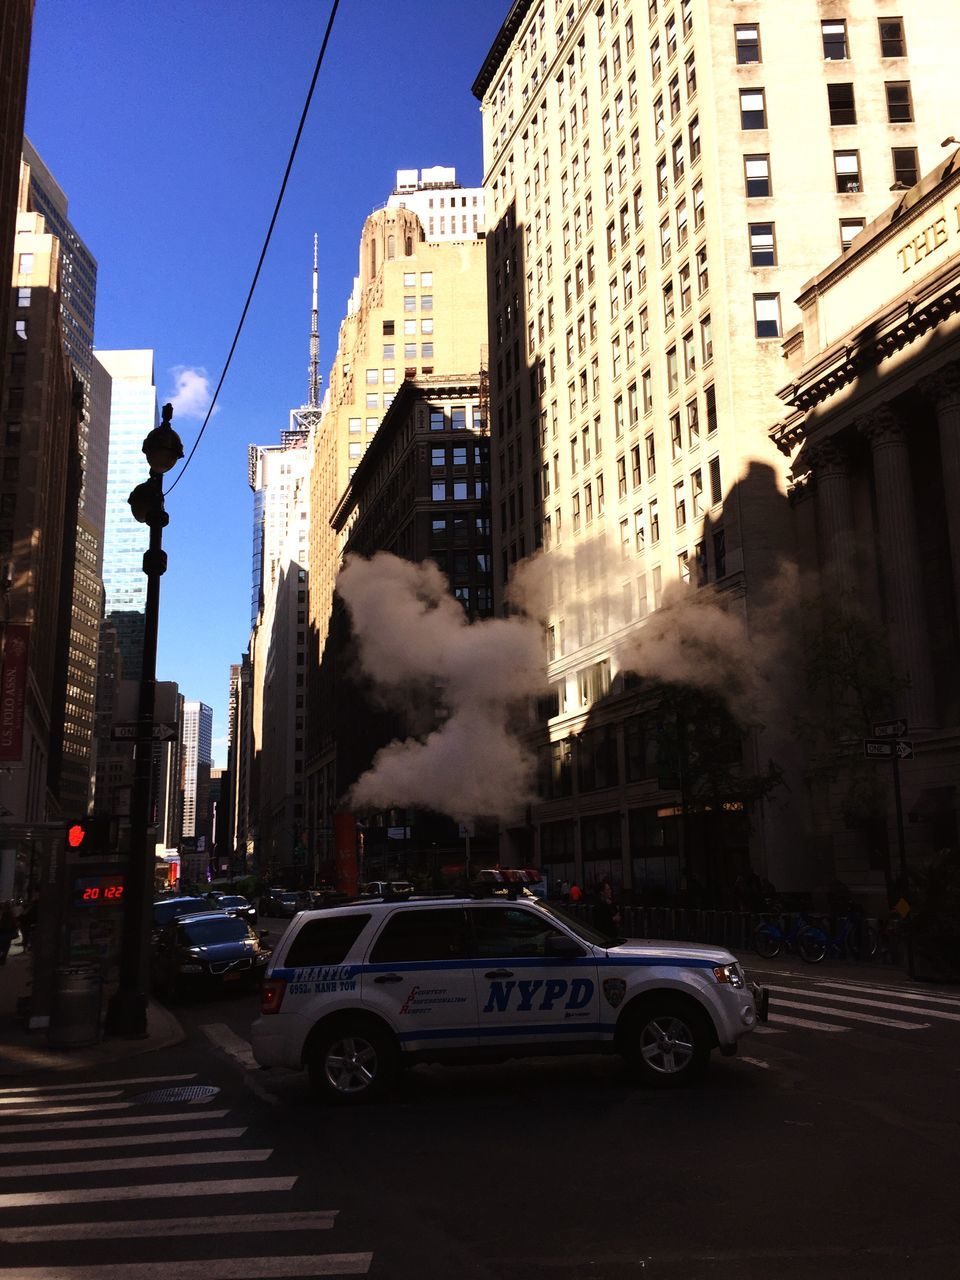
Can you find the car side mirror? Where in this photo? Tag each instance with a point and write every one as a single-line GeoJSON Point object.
{"type": "Point", "coordinates": [561, 946]}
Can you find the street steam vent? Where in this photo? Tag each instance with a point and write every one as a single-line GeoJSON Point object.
{"type": "Point", "coordinates": [415, 642]}
{"type": "Point", "coordinates": [412, 634]}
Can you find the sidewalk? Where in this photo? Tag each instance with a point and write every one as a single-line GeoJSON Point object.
{"type": "Point", "coordinates": [23, 1052]}
{"type": "Point", "coordinates": [866, 973]}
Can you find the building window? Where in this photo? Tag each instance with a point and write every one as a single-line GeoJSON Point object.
{"type": "Point", "coordinates": [719, 553]}
{"type": "Point", "coordinates": [664, 241]}
{"type": "Point", "coordinates": [676, 440]}
{"type": "Point", "coordinates": [672, 373]}
{"type": "Point", "coordinates": [686, 294]}
{"type": "Point", "coordinates": [654, 521]}
{"type": "Point", "coordinates": [849, 229]}
{"type": "Point", "coordinates": [621, 477]}
{"type": "Point", "coordinates": [699, 212]}
{"type": "Point", "coordinates": [694, 130]}
{"type": "Point", "coordinates": [766, 314]}
{"type": "Point", "coordinates": [696, 493]}
{"type": "Point", "coordinates": [20, 328]}
{"type": "Point", "coordinates": [651, 451]}
{"type": "Point", "coordinates": [756, 171]}
{"type": "Point", "coordinates": [763, 249]}
{"type": "Point", "coordinates": [689, 365]}
{"type": "Point", "coordinates": [710, 401]}
{"type": "Point", "coordinates": [846, 166]}
{"type": "Point", "coordinates": [899, 103]}
{"type": "Point", "coordinates": [668, 304]}
{"type": "Point", "coordinates": [693, 423]}
{"type": "Point", "coordinates": [373, 377]}
{"type": "Point", "coordinates": [893, 43]}
{"type": "Point", "coordinates": [747, 43]}
{"type": "Point", "coordinates": [703, 274]}
{"type": "Point", "coordinates": [437, 420]}
{"type": "Point", "coordinates": [25, 263]}
{"type": "Point", "coordinates": [834, 35]}
{"type": "Point", "coordinates": [716, 490]}
{"type": "Point", "coordinates": [679, 505]}
{"type": "Point", "coordinates": [356, 449]}
{"type": "Point", "coordinates": [355, 426]}
{"type": "Point", "coordinates": [426, 326]}
{"type": "Point", "coordinates": [706, 338]}
{"type": "Point", "coordinates": [841, 104]}
{"type": "Point", "coordinates": [23, 298]}
{"type": "Point", "coordinates": [753, 110]}
{"type": "Point", "coordinates": [905, 166]}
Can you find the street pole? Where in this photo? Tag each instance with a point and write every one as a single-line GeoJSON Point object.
{"type": "Point", "coordinates": [901, 843]}
{"type": "Point", "coordinates": [127, 1013]}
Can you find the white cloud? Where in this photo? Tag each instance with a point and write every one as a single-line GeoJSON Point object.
{"type": "Point", "coordinates": [192, 394]}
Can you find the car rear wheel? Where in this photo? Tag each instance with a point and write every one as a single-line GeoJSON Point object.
{"type": "Point", "coordinates": [353, 1062]}
{"type": "Point", "coordinates": [667, 1045]}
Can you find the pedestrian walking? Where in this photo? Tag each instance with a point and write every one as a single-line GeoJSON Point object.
{"type": "Point", "coordinates": [576, 893]}
{"type": "Point", "coordinates": [9, 929]}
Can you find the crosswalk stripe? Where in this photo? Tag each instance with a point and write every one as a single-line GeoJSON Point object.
{"type": "Point", "coordinates": [136, 1162]}
{"type": "Point", "coordinates": [228, 1040]}
{"type": "Point", "coordinates": [96, 1084]}
{"type": "Point", "coordinates": [806, 1022]}
{"type": "Point", "coordinates": [24, 1101]}
{"type": "Point", "coordinates": [310, 1220]}
{"type": "Point", "coordinates": [147, 1191]}
{"type": "Point", "coordinates": [111, 1122]}
{"type": "Point", "coordinates": [870, 1004]}
{"type": "Point", "coordinates": [119, 1140]}
{"type": "Point", "coordinates": [767, 1031]}
{"type": "Point", "coordinates": [321, 1264]}
{"type": "Point", "coordinates": [857, 1017]}
{"type": "Point", "coordinates": [42, 1109]}
{"type": "Point", "coordinates": [899, 992]}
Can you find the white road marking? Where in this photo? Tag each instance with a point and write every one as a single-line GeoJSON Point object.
{"type": "Point", "coordinates": [806, 1022]}
{"type": "Point", "coordinates": [119, 1140]}
{"type": "Point", "coordinates": [24, 1101]}
{"type": "Point", "coordinates": [320, 1264]}
{"type": "Point", "coordinates": [96, 1084]}
{"type": "Point", "coordinates": [147, 1191]}
{"type": "Point", "coordinates": [41, 1109]}
{"type": "Point", "coordinates": [857, 1017]}
{"type": "Point", "coordinates": [112, 1122]}
{"type": "Point", "coordinates": [755, 1062]}
{"type": "Point", "coordinates": [899, 992]}
{"type": "Point", "coordinates": [318, 1220]}
{"type": "Point", "coordinates": [232, 1044]}
{"type": "Point", "coordinates": [767, 1031]}
{"type": "Point", "coordinates": [870, 1004]}
{"type": "Point", "coordinates": [136, 1162]}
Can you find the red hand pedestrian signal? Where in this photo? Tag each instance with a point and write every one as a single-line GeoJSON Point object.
{"type": "Point", "coordinates": [76, 835]}
{"type": "Point", "coordinates": [89, 836]}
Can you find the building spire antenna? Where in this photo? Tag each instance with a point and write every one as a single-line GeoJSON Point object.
{"type": "Point", "coordinates": [313, 390]}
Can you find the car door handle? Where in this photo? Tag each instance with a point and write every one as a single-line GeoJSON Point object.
{"type": "Point", "coordinates": [389, 977]}
{"type": "Point", "coordinates": [499, 973]}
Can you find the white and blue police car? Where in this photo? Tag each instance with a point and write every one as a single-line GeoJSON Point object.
{"type": "Point", "coordinates": [354, 992]}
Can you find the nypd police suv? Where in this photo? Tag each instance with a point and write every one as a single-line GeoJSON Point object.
{"type": "Point", "coordinates": [356, 991]}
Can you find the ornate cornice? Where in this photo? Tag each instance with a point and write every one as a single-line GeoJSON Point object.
{"type": "Point", "coordinates": [943, 386]}
{"type": "Point", "coordinates": [883, 428]}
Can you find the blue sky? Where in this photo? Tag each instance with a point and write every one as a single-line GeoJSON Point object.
{"type": "Point", "coordinates": [168, 125]}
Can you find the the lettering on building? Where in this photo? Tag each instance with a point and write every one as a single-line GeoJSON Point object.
{"type": "Point", "coordinates": [930, 239]}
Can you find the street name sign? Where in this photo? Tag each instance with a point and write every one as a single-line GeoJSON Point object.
{"type": "Point", "coordinates": [877, 749]}
{"type": "Point", "coordinates": [904, 750]}
{"type": "Point", "coordinates": [890, 729]}
{"type": "Point", "coordinates": [128, 732]}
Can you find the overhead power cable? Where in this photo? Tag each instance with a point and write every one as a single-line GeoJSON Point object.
{"type": "Point", "coordinates": [266, 243]}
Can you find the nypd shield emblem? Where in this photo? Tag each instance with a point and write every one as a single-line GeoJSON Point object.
{"type": "Point", "coordinates": [614, 989]}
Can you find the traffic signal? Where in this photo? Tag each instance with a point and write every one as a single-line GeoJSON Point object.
{"type": "Point", "coordinates": [89, 837]}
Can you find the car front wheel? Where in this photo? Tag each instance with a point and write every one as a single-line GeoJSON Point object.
{"type": "Point", "coordinates": [354, 1062]}
{"type": "Point", "coordinates": [667, 1045]}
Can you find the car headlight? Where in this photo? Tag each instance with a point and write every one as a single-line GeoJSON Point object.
{"type": "Point", "coordinates": [730, 974]}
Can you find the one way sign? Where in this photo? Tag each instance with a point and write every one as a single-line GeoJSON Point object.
{"type": "Point", "coordinates": [890, 729]}
{"type": "Point", "coordinates": [904, 750]}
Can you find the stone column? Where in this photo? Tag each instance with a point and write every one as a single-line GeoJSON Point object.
{"type": "Point", "coordinates": [900, 562]}
{"type": "Point", "coordinates": [943, 388]}
{"type": "Point", "coordinates": [835, 535]}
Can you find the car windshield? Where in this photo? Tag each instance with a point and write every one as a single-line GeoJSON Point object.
{"type": "Point", "coordinates": [581, 928]}
{"type": "Point", "coordinates": [164, 912]}
{"type": "Point", "coordinates": [205, 933]}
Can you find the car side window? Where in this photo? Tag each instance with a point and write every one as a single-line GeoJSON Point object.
{"type": "Point", "coordinates": [509, 931]}
{"type": "Point", "coordinates": [437, 934]}
{"type": "Point", "coordinates": [326, 941]}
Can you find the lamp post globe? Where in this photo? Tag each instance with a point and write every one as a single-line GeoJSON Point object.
{"type": "Point", "coordinates": [163, 447]}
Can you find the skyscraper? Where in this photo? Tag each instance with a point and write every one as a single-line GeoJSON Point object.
{"type": "Point", "coordinates": [197, 763]}
{"type": "Point", "coordinates": [655, 203]}
{"type": "Point", "coordinates": [77, 303]}
{"type": "Point", "coordinates": [133, 415]}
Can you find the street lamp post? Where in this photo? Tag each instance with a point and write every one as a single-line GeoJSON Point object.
{"type": "Point", "coordinates": [127, 1014]}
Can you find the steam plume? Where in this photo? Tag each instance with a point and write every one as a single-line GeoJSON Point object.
{"type": "Point", "coordinates": [411, 631]}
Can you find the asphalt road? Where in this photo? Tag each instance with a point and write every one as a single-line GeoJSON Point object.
{"type": "Point", "coordinates": [829, 1147]}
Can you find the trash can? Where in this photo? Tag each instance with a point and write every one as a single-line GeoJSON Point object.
{"type": "Point", "coordinates": [76, 1007]}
